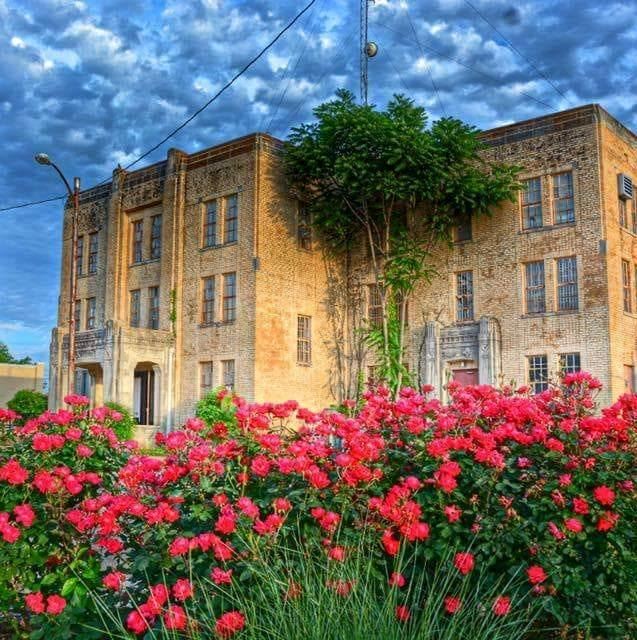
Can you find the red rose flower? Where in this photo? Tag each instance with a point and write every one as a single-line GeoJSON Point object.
{"type": "Point", "coordinates": [604, 495]}
{"type": "Point", "coordinates": [55, 605]}
{"type": "Point", "coordinates": [136, 622]}
{"type": "Point", "coordinates": [182, 589]}
{"type": "Point", "coordinates": [114, 580]}
{"type": "Point", "coordinates": [24, 514]}
{"type": "Point", "coordinates": [219, 576]}
{"type": "Point", "coordinates": [175, 617]}
{"type": "Point", "coordinates": [464, 562]}
{"type": "Point", "coordinates": [536, 574]}
{"type": "Point", "coordinates": [35, 602]}
{"type": "Point", "coordinates": [452, 604]}
{"type": "Point", "coordinates": [397, 580]}
{"type": "Point", "coordinates": [229, 623]}
{"type": "Point", "coordinates": [402, 613]}
{"type": "Point", "coordinates": [502, 605]}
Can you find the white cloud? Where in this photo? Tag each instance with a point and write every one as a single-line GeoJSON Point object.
{"type": "Point", "coordinates": [18, 43]}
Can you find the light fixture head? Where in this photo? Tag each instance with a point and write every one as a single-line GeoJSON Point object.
{"type": "Point", "coordinates": [371, 49]}
{"type": "Point", "coordinates": [42, 158]}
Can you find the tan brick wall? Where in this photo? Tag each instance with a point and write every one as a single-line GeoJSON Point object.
{"type": "Point", "coordinates": [15, 377]}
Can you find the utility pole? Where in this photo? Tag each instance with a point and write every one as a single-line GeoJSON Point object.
{"type": "Point", "coordinates": [367, 49]}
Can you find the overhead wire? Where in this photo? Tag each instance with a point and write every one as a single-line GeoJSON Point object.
{"type": "Point", "coordinates": [469, 67]}
{"type": "Point", "coordinates": [177, 129]}
{"type": "Point", "coordinates": [517, 51]}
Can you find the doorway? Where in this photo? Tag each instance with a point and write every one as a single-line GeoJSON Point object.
{"type": "Point", "coordinates": [466, 377]}
{"type": "Point", "coordinates": [144, 396]}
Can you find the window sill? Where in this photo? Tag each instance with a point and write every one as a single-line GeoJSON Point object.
{"type": "Point", "coordinates": [465, 322]}
{"type": "Point", "coordinates": [460, 243]}
{"type": "Point", "coordinates": [143, 262]}
{"type": "Point", "coordinates": [206, 325]}
{"type": "Point", "coordinates": [304, 364]}
{"type": "Point", "coordinates": [218, 246]}
{"type": "Point", "coordinates": [547, 227]}
{"type": "Point", "coordinates": [548, 314]}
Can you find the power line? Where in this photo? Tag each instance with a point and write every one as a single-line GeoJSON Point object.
{"type": "Point", "coordinates": [469, 67]}
{"type": "Point", "coordinates": [427, 69]}
{"type": "Point", "coordinates": [517, 51]}
{"type": "Point", "coordinates": [195, 114]}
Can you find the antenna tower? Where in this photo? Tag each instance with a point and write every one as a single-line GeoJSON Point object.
{"type": "Point", "coordinates": [367, 49]}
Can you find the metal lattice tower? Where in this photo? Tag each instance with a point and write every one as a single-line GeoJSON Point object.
{"type": "Point", "coordinates": [364, 55]}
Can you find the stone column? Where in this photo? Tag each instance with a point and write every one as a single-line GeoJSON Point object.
{"type": "Point", "coordinates": [430, 364]}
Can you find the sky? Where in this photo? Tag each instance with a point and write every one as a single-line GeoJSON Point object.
{"type": "Point", "coordinates": [95, 83]}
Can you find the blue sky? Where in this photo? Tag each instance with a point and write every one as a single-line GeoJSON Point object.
{"type": "Point", "coordinates": [97, 82]}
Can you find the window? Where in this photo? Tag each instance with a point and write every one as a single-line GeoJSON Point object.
{"type": "Point", "coordinates": [633, 209]}
{"type": "Point", "coordinates": [79, 255]}
{"type": "Point", "coordinates": [462, 230]}
{"type": "Point", "coordinates": [231, 219]}
{"type": "Point", "coordinates": [464, 296]}
{"type": "Point", "coordinates": [532, 204]}
{"type": "Point", "coordinates": [135, 308]}
{"type": "Point", "coordinates": [304, 340]}
{"type": "Point", "coordinates": [535, 295]}
{"type": "Point", "coordinates": [205, 385]}
{"type": "Point", "coordinates": [569, 363]}
{"type": "Point", "coordinates": [626, 286]}
{"type": "Point", "coordinates": [155, 237]}
{"type": "Point", "coordinates": [92, 252]}
{"type": "Point", "coordinates": [563, 205]}
{"type": "Point", "coordinates": [153, 308]}
{"type": "Point", "coordinates": [304, 228]}
{"type": "Point", "coordinates": [229, 309]}
{"type": "Point", "coordinates": [227, 372]}
{"type": "Point", "coordinates": [208, 300]}
{"type": "Point", "coordinates": [538, 373]}
{"type": "Point", "coordinates": [78, 315]}
{"type": "Point", "coordinates": [567, 284]}
{"type": "Point", "coordinates": [138, 240]}
{"type": "Point", "coordinates": [629, 378]}
{"type": "Point", "coordinates": [90, 313]}
{"type": "Point", "coordinates": [210, 225]}
{"type": "Point", "coordinates": [623, 213]}
{"type": "Point", "coordinates": [374, 306]}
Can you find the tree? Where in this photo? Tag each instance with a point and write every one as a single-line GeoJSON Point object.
{"type": "Point", "coordinates": [28, 403]}
{"type": "Point", "coordinates": [7, 358]}
{"type": "Point", "coordinates": [387, 179]}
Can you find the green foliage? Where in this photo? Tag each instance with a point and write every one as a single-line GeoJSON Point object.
{"type": "Point", "coordinates": [28, 403]}
{"type": "Point", "coordinates": [216, 406]}
{"type": "Point", "coordinates": [124, 428]}
{"type": "Point", "coordinates": [7, 358]}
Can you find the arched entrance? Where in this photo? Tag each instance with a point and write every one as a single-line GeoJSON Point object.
{"type": "Point", "coordinates": [146, 392]}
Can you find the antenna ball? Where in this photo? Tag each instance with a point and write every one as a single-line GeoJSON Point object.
{"type": "Point", "coordinates": [371, 49]}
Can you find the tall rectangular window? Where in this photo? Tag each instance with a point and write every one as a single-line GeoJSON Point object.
{"type": "Point", "coordinates": [153, 307]}
{"type": "Point", "coordinates": [535, 289]}
{"type": "Point", "coordinates": [135, 308]}
{"type": "Point", "coordinates": [567, 299]}
{"type": "Point", "coordinates": [629, 378]}
{"type": "Point", "coordinates": [210, 224]}
{"type": "Point", "coordinates": [90, 313]}
{"type": "Point", "coordinates": [78, 315]}
{"type": "Point", "coordinates": [569, 363]}
{"type": "Point", "coordinates": [563, 204]}
{"type": "Point", "coordinates": [304, 227]}
{"type": "Point", "coordinates": [463, 231]}
{"type": "Point", "coordinates": [155, 237]}
{"type": "Point", "coordinates": [205, 380]}
{"type": "Point", "coordinates": [623, 213]}
{"type": "Point", "coordinates": [633, 211]}
{"type": "Point", "coordinates": [538, 373]}
{"type": "Point", "coordinates": [304, 340]}
{"type": "Point", "coordinates": [231, 218]}
{"type": "Point", "coordinates": [626, 286]}
{"type": "Point", "coordinates": [79, 256]}
{"type": "Point", "coordinates": [229, 307]}
{"type": "Point", "coordinates": [227, 373]}
{"type": "Point", "coordinates": [464, 296]}
{"type": "Point", "coordinates": [208, 300]}
{"type": "Point", "coordinates": [138, 241]}
{"type": "Point", "coordinates": [374, 306]}
{"type": "Point", "coordinates": [92, 252]}
{"type": "Point", "coordinates": [532, 203]}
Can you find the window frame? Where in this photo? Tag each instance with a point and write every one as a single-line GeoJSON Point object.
{"type": "Point", "coordinates": [209, 224]}
{"type": "Point", "coordinates": [303, 227]}
{"type": "Point", "coordinates": [374, 307]}
{"type": "Point", "coordinates": [463, 229]}
{"type": "Point", "coordinates": [155, 236]}
{"type": "Point", "coordinates": [572, 285]}
{"type": "Point", "coordinates": [208, 295]}
{"type": "Point", "coordinates": [529, 289]}
{"type": "Point", "coordinates": [91, 313]}
{"type": "Point", "coordinates": [78, 315]}
{"type": "Point", "coordinates": [526, 205]}
{"type": "Point", "coordinates": [558, 197]}
{"type": "Point", "coordinates": [228, 367]}
{"type": "Point", "coordinates": [229, 298]}
{"type": "Point", "coordinates": [304, 340]}
{"type": "Point", "coordinates": [93, 250]}
{"type": "Point", "coordinates": [565, 366]}
{"type": "Point", "coordinates": [135, 305]}
{"type": "Point", "coordinates": [231, 223]}
{"type": "Point", "coordinates": [153, 307]}
{"type": "Point", "coordinates": [79, 256]}
{"type": "Point", "coordinates": [137, 246]}
{"type": "Point", "coordinates": [541, 384]}
{"type": "Point", "coordinates": [627, 288]}
{"type": "Point", "coordinates": [465, 311]}
{"type": "Point", "coordinates": [206, 367]}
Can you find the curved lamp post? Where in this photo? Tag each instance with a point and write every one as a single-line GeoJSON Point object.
{"type": "Point", "coordinates": [74, 194]}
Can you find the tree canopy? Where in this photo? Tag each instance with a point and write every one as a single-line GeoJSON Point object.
{"type": "Point", "coordinates": [7, 358]}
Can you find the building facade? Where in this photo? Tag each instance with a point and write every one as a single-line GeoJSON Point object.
{"type": "Point", "coordinates": [15, 377]}
{"type": "Point", "coordinates": [202, 271]}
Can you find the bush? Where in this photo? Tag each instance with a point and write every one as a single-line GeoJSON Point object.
{"type": "Point", "coordinates": [474, 495]}
{"type": "Point", "coordinates": [124, 427]}
{"type": "Point", "coordinates": [216, 406]}
{"type": "Point", "coordinates": [28, 403]}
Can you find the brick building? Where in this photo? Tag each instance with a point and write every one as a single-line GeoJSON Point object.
{"type": "Point", "coordinates": [201, 270]}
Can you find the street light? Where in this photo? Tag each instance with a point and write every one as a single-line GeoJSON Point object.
{"type": "Point", "coordinates": [43, 158]}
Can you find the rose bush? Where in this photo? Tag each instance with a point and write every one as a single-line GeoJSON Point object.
{"type": "Point", "coordinates": [495, 485]}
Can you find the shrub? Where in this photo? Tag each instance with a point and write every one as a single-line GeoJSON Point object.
{"type": "Point", "coordinates": [28, 403]}
{"type": "Point", "coordinates": [216, 406]}
{"type": "Point", "coordinates": [124, 427]}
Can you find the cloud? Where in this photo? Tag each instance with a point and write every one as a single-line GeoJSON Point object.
{"type": "Point", "coordinates": [97, 83]}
